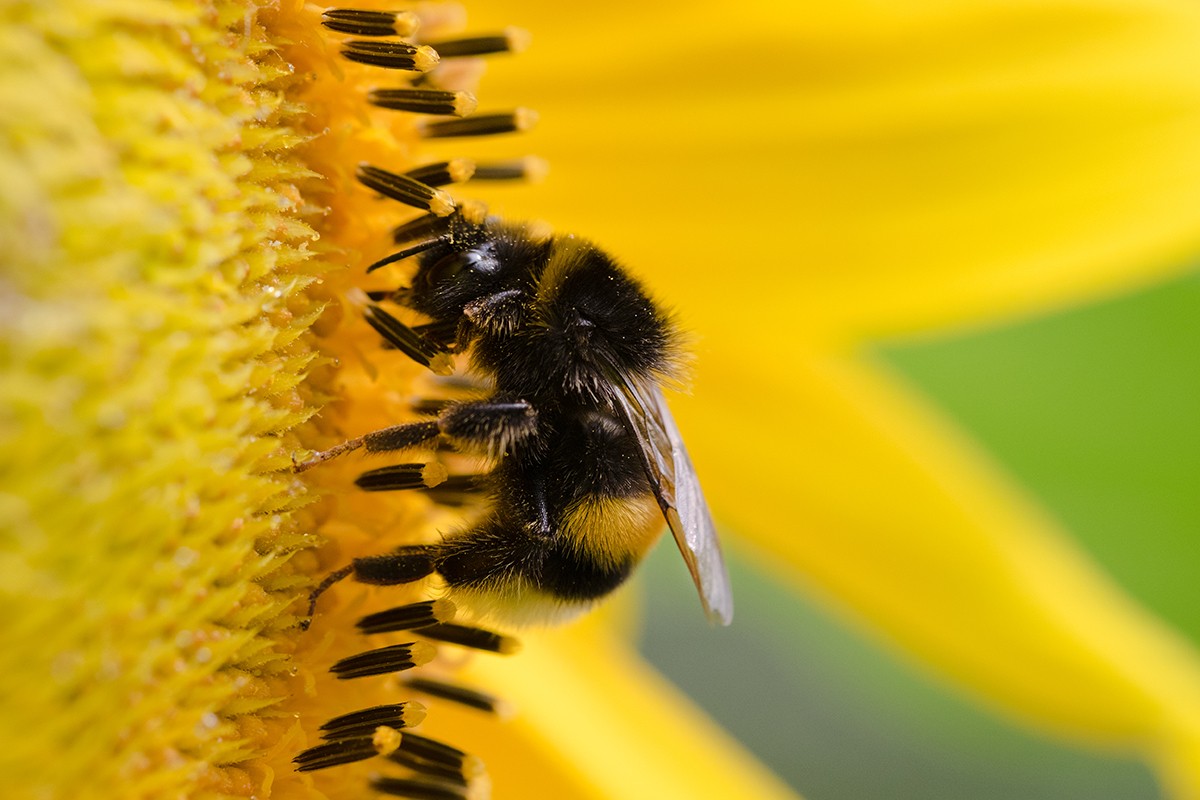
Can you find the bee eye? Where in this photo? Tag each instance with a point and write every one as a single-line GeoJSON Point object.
{"type": "Point", "coordinates": [452, 266]}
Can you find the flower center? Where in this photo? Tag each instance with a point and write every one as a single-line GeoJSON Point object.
{"type": "Point", "coordinates": [431, 73]}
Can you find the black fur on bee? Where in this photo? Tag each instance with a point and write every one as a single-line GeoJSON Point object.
{"type": "Point", "coordinates": [585, 459]}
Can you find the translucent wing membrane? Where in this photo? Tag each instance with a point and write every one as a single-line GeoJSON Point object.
{"type": "Point", "coordinates": [675, 485]}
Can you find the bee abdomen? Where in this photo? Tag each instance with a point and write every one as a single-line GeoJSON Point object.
{"type": "Point", "coordinates": [508, 561]}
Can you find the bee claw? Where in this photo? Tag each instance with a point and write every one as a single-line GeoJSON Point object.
{"type": "Point", "coordinates": [321, 456]}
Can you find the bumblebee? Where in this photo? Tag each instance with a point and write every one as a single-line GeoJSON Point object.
{"type": "Point", "coordinates": [586, 460]}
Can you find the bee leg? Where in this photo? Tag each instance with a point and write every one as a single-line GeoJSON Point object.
{"type": "Point", "coordinates": [492, 425]}
{"type": "Point", "coordinates": [500, 313]}
{"type": "Point", "coordinates": [405, 565]}
{"type": "Point", "coordinates": [400, 437]}
{"type": "Point", "coordinates": [320, 589]}
{"type": "Point", "coordinates": [397, 437]}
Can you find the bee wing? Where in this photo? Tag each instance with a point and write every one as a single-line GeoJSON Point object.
{"type": "Point", "coordinates": [674, 481]}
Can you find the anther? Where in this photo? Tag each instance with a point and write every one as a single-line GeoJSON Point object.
{"type": "Point", "coordinates": [432, 750]}
{"type": "Point", "coordinates": [428, 768]}
{"type": "Point", "coordinates": [443, 173]}
{"type": "Point", "coordinates": [358, 22]}
{"type": "Point", "coordinates": [424, 101]}
{"type": "Point", "coordinates": [429, 406]}
{"type": "Point", "coordinates": [404, 338]}
{"type": "Point", "coordinates": [441, 333]}
{"type": "Point", "coordinates": [423, 227]}
{"type": "Point", "coordinates": [473, 212]}
{"type": "Point", "coordinates": [386, 740]}
{"type": "Point", "coordinates": [441, 16]}
{"type": "Point", "coordinates": [399, 477]}
{"type": "Point", "coordinates": [347, 751]}
{"type": "Point", "coordinates": [475, 638]}
{"type": "Point", "coordinates": [510, 40]}
{"type": "Point", "coordinates": [522, 119]}
{"type": "Point", "coordinates": [530, 168]}
{"type": "Point", "coordinates": [363, 723]}
{"type": "Point", "coordinates": [405, 189]}
{"type": "Point", "coordinates": [332, 754]}
{"type": "Point", "coordinates": [457, 490]}
{"type": "Point", "coordinates": [395, 658]}
{"type": "Point", "coordinates": [391, 55]}
{"type": "Point", "coordinates": [405, 618]}
{"type": "Point", "coordinates": [416, 789]}
{"type": "Point", "coordinates": [471, 698]}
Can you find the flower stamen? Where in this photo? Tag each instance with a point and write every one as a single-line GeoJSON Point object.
{"type": "Point", "coordinates": [405, 189]}
{"type": "Point", "coordinates": [363, 723]}
{"type": "Point", "coordinates": [358, 22]}
{"type": "Point", "coordinates": [530, 168]}
{"type": "Point", "coordinates": [444, 173]}
{"type": "Point", "coordinates": [417, 789]}
{"type": "Point", "coordinates": [455, 693]}
{"type": "Point", "coordinates": [474, 638]}
{"type": "Point", "coordinates": [401, 477]}
{"type": "Point", "coordinates": [457, 491]}
{"type": "Point", "coordinates": [440, 771]}
{"type": "Point", "coordinates": [394, 658]}
{"type": "Point", "coordinates": [516, 121]}
{"type": "Point", "coordinates": [457, 777]}
{"type": "Point", "coordinates": [424, 101]}
{"type": "Point", "coordinates": [510, 40]}
{"type": "Point", "coordinates": [418, 228]}
{"type": "Point", "coordinates": [406, 618]}
{"type": "Point", "coordinates": [405, 339]}
{"type": "Point", "coordinates": [391, 55]}
{"type": "Point", "coordinates": [436, 752]}
{"type": "Point", "coordinates": [383, 741]}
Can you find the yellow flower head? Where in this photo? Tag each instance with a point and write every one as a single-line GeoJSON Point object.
{"type": "Point", "coordinates": [182, 227]}
{"type": "Point", "coordinates": [181, 204]}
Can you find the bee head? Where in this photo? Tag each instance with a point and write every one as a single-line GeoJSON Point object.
{"type": "Point", "coordinates": [447, 281]}
{"type": "Point", "coordinates": [475, 262]}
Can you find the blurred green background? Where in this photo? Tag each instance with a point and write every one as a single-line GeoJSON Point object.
{"type": "Point", "coordinates": [1094, 410]}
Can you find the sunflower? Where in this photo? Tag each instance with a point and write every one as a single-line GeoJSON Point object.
{"type": "Point", "coordinates": [181, 224]}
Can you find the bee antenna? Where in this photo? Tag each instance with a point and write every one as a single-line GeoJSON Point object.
{"type": "Point", "coordinates": [408, 252]}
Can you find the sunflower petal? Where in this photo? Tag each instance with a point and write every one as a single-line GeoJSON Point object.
{"type": "Point", "coordinates": [600, 724]}
{"type": "Point", "coordinates": [888, 509]}
{"type": "Point", "coordinates": [881, 167]}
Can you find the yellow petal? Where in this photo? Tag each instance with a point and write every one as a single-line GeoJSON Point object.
{"type": "Point", "coordinates": [867, 168]}
{"type": "Point", "coordinates": [870, 167]}
{"type": "Point", "coordinates": [887, 509]}
{"type": "Point", "coordinates": [594, 715]}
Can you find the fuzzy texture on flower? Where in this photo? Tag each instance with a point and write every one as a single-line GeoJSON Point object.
{"type": "Point", "coordinates": [153, 301]}
{"type": "Point", "coordinates": [168, 170]}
